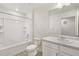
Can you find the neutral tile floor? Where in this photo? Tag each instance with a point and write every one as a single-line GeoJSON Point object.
{"type": "Point", "coordinates": [24, 53]}
{"type": "Point", "coordinates": [39, 54]}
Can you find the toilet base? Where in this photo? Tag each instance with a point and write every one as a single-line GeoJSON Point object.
{"type": "Point", "coordinates": [31, 50]}
{"type": "Point", "coordinates": [32, 53]}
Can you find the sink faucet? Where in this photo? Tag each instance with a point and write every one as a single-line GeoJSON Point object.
{"type": "Point", "coordinates": [62, 37]}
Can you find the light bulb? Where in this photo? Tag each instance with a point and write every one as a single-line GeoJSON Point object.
{"type": "Point", "coordinates": [67, 4]}
{"type": "Point", "coordinates": [59, 5]}
{"type": "Point", "coordinates": [16, 9]}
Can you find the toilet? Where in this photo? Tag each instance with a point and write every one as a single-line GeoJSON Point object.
{"type": "Point", "coordinates": [32, 49]}
{"type": "Point", "coordinates": [38, 41]}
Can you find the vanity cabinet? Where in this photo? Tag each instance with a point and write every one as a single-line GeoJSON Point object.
{"type": "Point", "coordinates": [69, 51]}
{"type": "Point", "coordinates": [53, 49]}
{"type": "Point", "coordinates": [64, 54]}
{"type": "Point", "coordinates": [49, 49]}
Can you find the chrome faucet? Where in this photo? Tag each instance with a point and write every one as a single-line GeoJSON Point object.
{"type": "Point", "coordinates": [62, 37]}
{"type": "Point", "coordinates": [27, 36]}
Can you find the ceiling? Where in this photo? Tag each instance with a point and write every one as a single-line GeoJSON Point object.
{"type": "Point", "coordinates": [26, 7]}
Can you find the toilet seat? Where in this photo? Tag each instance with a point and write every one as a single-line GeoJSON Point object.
{"type": "Point", "coordinates": [31, 47]}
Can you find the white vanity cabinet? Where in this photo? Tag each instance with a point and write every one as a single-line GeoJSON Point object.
{"type": "Point", "coordinates": [58, 49]}
{"type": "Point", "coordinates": [49, 49]}
{"type": "Point", "coordinates": [64, 54]}
{"type": "Point", "coordinates": [69, 51]}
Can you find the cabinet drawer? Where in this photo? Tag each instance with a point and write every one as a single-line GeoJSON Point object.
{"type": "Point", "coordinates": [50, 45]}
{"type": "Point", "coordinates": [69, 51]}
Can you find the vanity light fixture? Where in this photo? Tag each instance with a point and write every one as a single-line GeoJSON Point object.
{"type": "Point", "coordinates": [16, 9]}
{"type": "Point", "coordinates": [67, 4]}
{"type": "Point", "coordinates": [61, 5]}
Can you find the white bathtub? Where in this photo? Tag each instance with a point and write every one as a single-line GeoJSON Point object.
{"type": "Point", "coordinates": [12, 49]}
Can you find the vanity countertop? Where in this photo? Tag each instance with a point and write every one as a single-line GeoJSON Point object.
{"type": "Point", "coordinates": [73, 44]}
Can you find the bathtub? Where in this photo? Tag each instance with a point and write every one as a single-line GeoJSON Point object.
{"type": "Point", "coordinates": [12, 49]}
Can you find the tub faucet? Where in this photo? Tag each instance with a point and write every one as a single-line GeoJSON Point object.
{"type": "Point", "coordinates": [27, 36]}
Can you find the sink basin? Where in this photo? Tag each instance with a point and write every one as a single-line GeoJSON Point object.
{"type": "Point", "coordinates": [66, 41]}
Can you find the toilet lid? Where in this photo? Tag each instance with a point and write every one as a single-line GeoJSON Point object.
{"type": "Point", "coordinates": [31, 47]}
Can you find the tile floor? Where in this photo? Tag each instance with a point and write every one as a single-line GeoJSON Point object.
{"type": "Point", "coordinates": [24, 53]}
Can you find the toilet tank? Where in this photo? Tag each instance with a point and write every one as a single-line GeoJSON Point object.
{"type": "Point", "coordinates": [37, 41]}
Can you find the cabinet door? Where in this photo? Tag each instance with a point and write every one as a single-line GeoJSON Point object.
{"type": "Point", "coordinates": [50, 45]}
{"type": "Point", "coordinates": [48, 51]}
{"type": "Point", "coordinates": [70, 51]}
{"type": "Point", "coordinates": [63, 54]}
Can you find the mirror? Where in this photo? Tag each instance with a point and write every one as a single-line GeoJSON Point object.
{"type": "Point", "coordinates": [64, 21]}
{"type": "Point", "coordinates": [68, 26]}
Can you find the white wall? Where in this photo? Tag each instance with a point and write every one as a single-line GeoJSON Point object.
{"type": "Point", "coordinates": [54, 24]}
{"type": "Point", "coordinates": [41, 22]}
